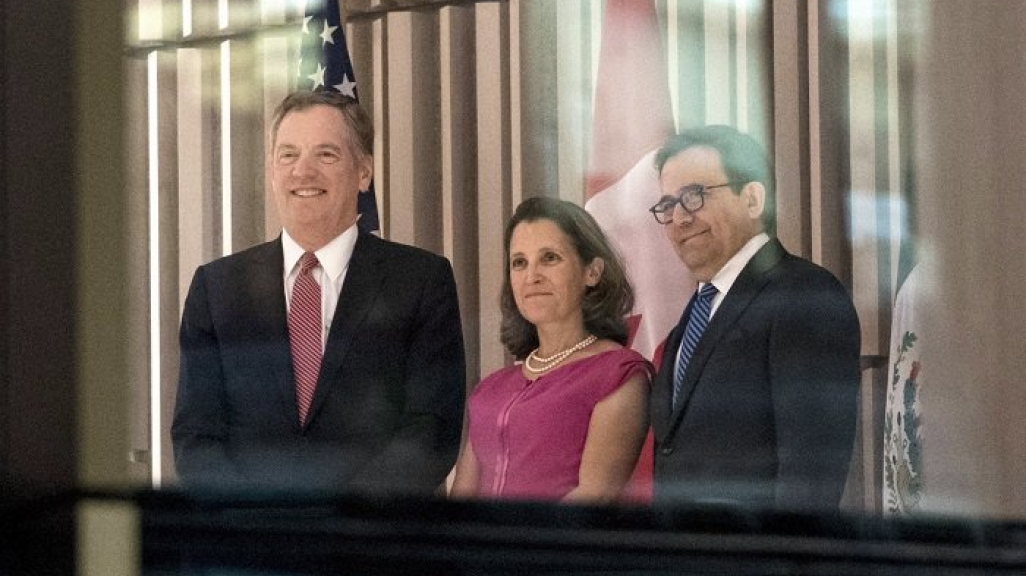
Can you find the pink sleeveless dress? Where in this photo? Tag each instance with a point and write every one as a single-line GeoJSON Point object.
{"type": "Point", "coordinates": [528, 435]}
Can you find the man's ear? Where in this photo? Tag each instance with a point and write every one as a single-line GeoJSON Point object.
{"type": "Point", "coordinates": [754, 195]}
{"type": "Point", "coordinates": [366, 168]}
{"type": "Point", "coordinates": [593, 271]}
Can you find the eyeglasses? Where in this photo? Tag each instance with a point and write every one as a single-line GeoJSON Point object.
{"type": "Point", "coordinates": [691, 199]}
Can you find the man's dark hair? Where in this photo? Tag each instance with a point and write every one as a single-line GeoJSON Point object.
{"type": "Point", "coordinates": [744, 161]}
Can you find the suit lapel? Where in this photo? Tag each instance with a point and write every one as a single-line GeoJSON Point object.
{"type": "Point", "coordinates": [268, 317]}
{"type": "Point", "coordinates": [662, 388]}
{"type": "Point", "coordinates": [744, 290]}
{"type": "Point", "coordinates": [363, 280]}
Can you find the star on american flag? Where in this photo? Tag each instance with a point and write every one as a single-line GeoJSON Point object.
{"type": "Point", "coordinates": [324, 64]}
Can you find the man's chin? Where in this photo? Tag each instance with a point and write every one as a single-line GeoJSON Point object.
{"type": "Point", "coordinates": [697, 267]}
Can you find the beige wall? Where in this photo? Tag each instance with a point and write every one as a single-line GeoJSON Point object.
{"type": "Point", "coordinates": [972, 133]}
{"type": "Point", "coordinates": [101, 248]}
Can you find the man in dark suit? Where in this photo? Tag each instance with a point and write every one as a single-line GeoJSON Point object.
{"type": "Point", "coordinates": [755, 403]}
{"type": "Point", "coordinates": [346, 373]}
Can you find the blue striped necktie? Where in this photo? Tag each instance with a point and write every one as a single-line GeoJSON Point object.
{"type": "Point", "coordinates": [697, 322]}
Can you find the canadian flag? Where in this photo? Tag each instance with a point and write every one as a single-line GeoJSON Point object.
{"type": "Point", "coordinates": [633, 117]}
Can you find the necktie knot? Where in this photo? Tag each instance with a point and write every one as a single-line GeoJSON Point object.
{"type": "Point", "coordinates": [308, 262]}
{"type": "Point", "coordinates": [707, 292]}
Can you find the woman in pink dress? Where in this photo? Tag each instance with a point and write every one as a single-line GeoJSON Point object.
{"type": "Point", "coordinates": [568, 420]}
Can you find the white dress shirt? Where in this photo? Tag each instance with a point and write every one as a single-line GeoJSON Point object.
{"type": "Point", "coordinates": [727, 275]}
{"type": "Point", "coordinates": [334, 262]}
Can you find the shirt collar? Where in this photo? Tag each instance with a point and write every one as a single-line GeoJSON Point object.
{"type": "Point", "coordinates": [333, 256]}
{"type": "Point", "coordinates": [727, 275]}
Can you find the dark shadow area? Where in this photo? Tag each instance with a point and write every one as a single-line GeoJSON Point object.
{"type": "Point", "coordinates": [37, 538]}
{"type": "Point", "coordinates": [185, 534]}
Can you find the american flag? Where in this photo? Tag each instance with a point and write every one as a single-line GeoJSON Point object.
{"type": "Point", "coordinates": [324, 64]}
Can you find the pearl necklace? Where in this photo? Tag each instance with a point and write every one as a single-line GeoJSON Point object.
{"type": "Point", "coordinates": [551, 361]}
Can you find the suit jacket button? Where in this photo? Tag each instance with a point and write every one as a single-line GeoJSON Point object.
{"type": "Point", "coordinates": [666, 450]}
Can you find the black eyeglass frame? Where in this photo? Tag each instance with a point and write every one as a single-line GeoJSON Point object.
{"type": "Point", "coordinates": [662, 211]}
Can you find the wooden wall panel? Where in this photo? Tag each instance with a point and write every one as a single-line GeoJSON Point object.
{"type": "Point", "coordinates": [458, 106]}
{"type": "Point", "coordinates": [494, 170]}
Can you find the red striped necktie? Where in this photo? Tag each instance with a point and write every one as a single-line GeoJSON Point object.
{"type": "Point", "coordinates": [305, 333]}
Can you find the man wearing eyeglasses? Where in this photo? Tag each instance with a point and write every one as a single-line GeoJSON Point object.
{"type": "Point", "coordinates": [755, 401]}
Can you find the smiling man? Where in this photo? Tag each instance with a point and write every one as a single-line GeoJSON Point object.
{"type": "Point", "coordinates": [755, 400]}
{"type": "Point", "coordinates": [328, 359]}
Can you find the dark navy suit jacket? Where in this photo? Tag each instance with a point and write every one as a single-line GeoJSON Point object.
{"type": "Point", "coordinates": [387, 411]}
{"type": "Point", "coordinates": [770, 395]}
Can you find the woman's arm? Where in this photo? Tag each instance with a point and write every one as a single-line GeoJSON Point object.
{"type": "Point", "coordinates": [616, 434]}
{"type": "Point", "coordinates": [464, 484]}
